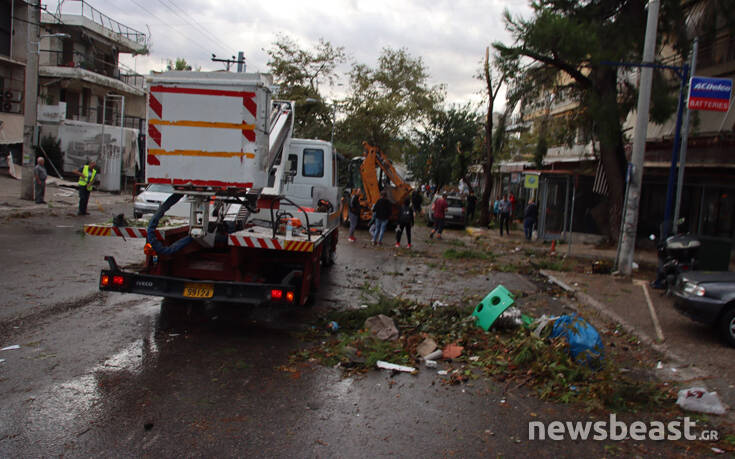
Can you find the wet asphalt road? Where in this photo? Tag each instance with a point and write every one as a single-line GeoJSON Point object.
{"type": "Point", "coordinates": [107, 375]}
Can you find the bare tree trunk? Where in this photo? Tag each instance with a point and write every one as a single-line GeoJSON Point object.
{"type": "Point", "coordinates": [487, 167]}
{"type": "Point", "coordinates": [612, 151]}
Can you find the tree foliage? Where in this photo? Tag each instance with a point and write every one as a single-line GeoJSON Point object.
{"type": "Point", "coordinates": [572, 45]}
{"type": "Point", "coordinates": [385, 102]}
{"type": "Point", "coordinates": [445, 146]}
{"type": "Point", "coordinates": [299, 74]}
{"type": "Point", "coordinates": [180, 64]}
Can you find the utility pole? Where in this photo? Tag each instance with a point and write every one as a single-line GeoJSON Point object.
{"type": "Point", "coordinates": [240, 61]}
{"type": "Point", "coordinates": [630, 224]}
{"type": "Point", "coordinates": [30, 96]}
{"type": "Point", "coordinates": [684, 140]}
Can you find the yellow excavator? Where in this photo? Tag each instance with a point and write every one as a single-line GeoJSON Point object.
{"type": "Point", "coordinates": [368, 176]}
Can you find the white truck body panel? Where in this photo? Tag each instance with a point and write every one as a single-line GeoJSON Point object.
{"type": "Point", "coordinates": [208, 129]}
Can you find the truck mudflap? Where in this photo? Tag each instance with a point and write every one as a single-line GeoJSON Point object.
{"type": "Point", "coordinates": [115, 279]}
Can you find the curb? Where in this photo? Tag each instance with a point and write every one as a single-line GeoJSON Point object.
{"type": "Point", "coordinates": [684, 372]}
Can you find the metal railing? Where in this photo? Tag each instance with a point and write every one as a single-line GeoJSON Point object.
{"type": "Point", "coordinates": [93, 64]}
{"type": "Point", "coordinates": [86, 10]}
{"type": "Point", "coordinates": [94, 115]}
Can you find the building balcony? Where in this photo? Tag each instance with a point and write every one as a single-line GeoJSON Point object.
{"type": "Point", "coordinates": [80, 14]}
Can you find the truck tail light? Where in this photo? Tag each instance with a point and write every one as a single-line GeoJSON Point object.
{"type": "Point", "coordinates": [105, 280]}
{"type": "Point", "coordinates": [290, 297]}
{"type": "Point", "coordinates": [118, 281]}
{"type": "Point", "coordinates": [276, 294]}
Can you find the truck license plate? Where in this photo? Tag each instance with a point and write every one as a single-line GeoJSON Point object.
{"type": "Point", "coordinates": [198, 290]}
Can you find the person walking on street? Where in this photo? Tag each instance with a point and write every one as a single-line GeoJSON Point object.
{"type": "Point", "coordinates": [439, 210]}
{"type": "Point", "coordinates": [530, 217]}
{"type": "Point", "coordinates": [86, 174]}
{"type": "Point", "coordinates": [39, 180]}
{"type": "Point", "coordinates": [496, 208]}
{"type": "Point", "coordinates": [405, 222]}
{"type": "Point", "coordinates": [471, 203]}
{"type": "Point", "coordinates": [354, 212]}
{"type": "Point", "coordinates": [382, 214]}
{"type": "Point", "coordinates": [504, 209]}
{"type": "Point", "coordinates": [417, 200]}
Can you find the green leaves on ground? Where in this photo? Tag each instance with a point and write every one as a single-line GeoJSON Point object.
{"type": "Point", "coordinates": [514, 357]}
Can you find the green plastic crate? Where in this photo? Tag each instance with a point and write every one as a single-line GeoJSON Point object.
{"type": "Point", "coordinates": [490, 308]}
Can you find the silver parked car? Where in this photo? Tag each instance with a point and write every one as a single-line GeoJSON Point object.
{"type": "Point", "coordinates": [150, 199]}
{"type": "Point", "coordinates": [456, 212]}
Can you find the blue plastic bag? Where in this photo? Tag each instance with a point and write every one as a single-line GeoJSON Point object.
{"type": "Point", "coordinates": [585, 344]}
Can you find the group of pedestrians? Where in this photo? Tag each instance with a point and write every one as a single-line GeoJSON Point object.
{"type": "Point", "coordinates": [86, 173]}
{"type": "Point", "coordinates": [503, 210]}
{"type": "Point", "coordinates": [381, 213]}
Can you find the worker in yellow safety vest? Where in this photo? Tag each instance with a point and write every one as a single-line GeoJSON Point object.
{"type": "Point", "coordinates": [86, 180]}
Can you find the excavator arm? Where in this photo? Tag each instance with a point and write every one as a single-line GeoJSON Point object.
{"type": "Point", "coordinates": [373, 161]}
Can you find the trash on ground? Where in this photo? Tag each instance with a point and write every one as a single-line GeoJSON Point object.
{"type": "Point", "coordinates": [426, 347]}
{"type": "Point", "coordinates": [392, 366]}
{"type": "Point", "coordinates": [363, 306]}
{"type": "Point", "coordinates": [353, 356]}
{"type": "Point", "coordinates": [509, 319]}
{"type": "Point", "coordinates": [382, 327]}
{"type": "Point", "coordinates": [430, 363]}
{"type": "Point", "coordinates": [601, 267]}
{"type": "Point", "coordinates": [442, 372]}
{"type": "Point", "coordinates": [333, 326]}
{"type": "Point", "coordinates": [541, 323]}
{"type": "Point", "coordinates": [474, 358]}
{"type": "Point", "coordinates": [438, 304]}
{"type": "Point", "coordinates": [2, 360]}
{"type": "Point", "coordinates": [659, 365]}
{"type": "Point", "coordinates": [700, 400]}
{"type": "Point", "coordinates": [492, 306]}
{"type": "Point", "coordinates": [11, 348]}
{"type": "Point", "coordinates": [438, 354]}
{"type": "Point", "coordinates": [718, 450]}
{"type": "Point", "coordinates": [452, 351]}
{"type": "Point", "coordinates": [584, 341]}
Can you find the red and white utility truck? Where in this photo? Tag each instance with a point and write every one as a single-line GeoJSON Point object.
{"type": "Point", "coordinates": [263, 205]}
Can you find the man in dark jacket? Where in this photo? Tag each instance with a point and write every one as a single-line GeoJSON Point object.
{"type": "Point", "coordinates": [416, 201]}
{"type": "Point", "coordinates": [405, 222]}
{"type": "Point", "coordinates": [354, 212]}
{"type": "Point", "coordinates": [530, 217]}
{"type": "Point", "coordinates": [471, 204]}
{"type": "Point", "coordinates": [382, 214]}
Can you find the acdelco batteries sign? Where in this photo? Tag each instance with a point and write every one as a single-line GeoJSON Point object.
{"type": "Point", "coordinates": [711, 94]}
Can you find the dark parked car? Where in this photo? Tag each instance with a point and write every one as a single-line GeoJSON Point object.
{"type": "Point", "coordinates": [708, 297]}
{"type": "Point", "coordinates": [456, 212]}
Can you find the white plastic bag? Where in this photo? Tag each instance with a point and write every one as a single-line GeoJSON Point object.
{"type": "Point", "coordinates": [700, 400]}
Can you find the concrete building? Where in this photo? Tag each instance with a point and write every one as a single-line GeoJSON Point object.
{"type": "Point", "coordinates": [86, 101]}
{"type": "Point", "coordinates": [14, 49]}
{"type": "Point", "coordinates": [708, 198]}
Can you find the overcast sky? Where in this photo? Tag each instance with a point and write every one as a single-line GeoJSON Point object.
{"type": "Point", "coordinates": [449, 35]}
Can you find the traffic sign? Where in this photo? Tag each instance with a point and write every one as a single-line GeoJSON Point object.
{"type": "Point", "coordinates": [712, 94]}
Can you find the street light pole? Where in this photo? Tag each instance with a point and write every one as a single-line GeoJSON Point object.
{"type": "Point", "coordinates": [630, 226]}
{"type": "Point", "coordinates": [30, 96]}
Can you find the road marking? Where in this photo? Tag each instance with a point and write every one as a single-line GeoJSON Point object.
{"type": "Point", "coordinates": [656, 323]}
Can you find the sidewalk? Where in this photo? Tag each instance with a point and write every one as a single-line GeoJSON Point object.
{"type": "Point", "coordinates": [60, 194]}
{"type": "Point", "coordinates": [690, 353]}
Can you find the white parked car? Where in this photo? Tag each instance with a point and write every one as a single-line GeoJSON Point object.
{"type": "Point", "coordinates": [150, 199]}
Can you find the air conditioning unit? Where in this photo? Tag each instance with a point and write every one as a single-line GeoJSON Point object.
{"type": "Point", "coordinates": [10, 107]}
{"type": "Point", "coordinates": [12, 96]}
